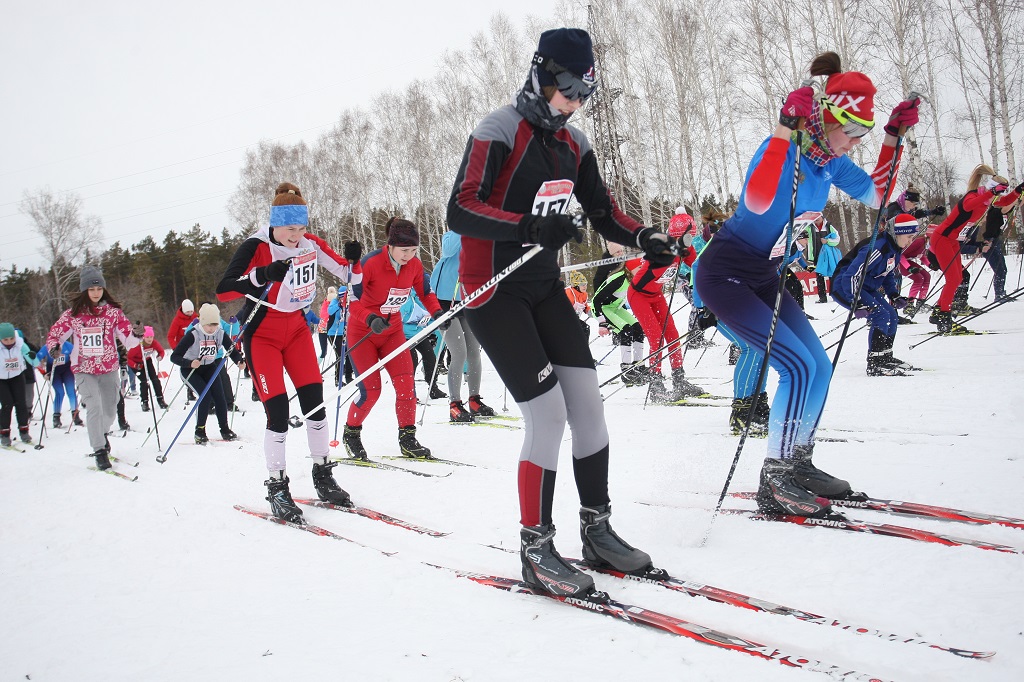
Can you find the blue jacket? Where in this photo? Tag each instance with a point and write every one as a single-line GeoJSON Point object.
{"type": "Point", "coordinates": [881, 272]}
{"type": "Point", "coordinates": [44, 356]}
{"type": "Point", "coordinates": [412, 314]}
{"type": "Point", "coordinates": [445, 277]}
{"type": "Point", "coordinates": [336, 311]}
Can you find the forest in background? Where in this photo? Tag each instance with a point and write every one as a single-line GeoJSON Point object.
{"type": "Point", "coordinates": [686, 95]}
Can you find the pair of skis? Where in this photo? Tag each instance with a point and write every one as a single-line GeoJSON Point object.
{"type": "Point", "coordinates": [601, 603]}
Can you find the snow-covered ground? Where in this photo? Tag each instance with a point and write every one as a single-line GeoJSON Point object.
{"type": "Point", "coordinates": [161, 579]}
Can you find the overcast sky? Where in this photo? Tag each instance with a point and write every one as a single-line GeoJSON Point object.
{"type": "Point", "coordinates": [145, 110]}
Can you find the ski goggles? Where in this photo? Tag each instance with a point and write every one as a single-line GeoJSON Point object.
{"type": "Point", "coordinates": [569, 84]}
{"type": "Point", "coordinates": [852, 126]}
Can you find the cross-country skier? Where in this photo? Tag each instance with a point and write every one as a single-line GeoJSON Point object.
{"type": "Point", "coordinates": [614, 318]}
{"type": "Point", "coordinates": [738, 277]}
{"type": "Point", "coordinates": [15, 356]}
{"type": "Point", "coordinates": [521, 167]}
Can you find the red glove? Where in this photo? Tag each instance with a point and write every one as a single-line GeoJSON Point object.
{"type": "Point", "coordinates": [904, 115]}
{"type": "Point", "coordinates": [798, 105]}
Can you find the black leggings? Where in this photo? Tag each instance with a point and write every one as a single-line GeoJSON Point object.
{"type": "Point", "coordinates": [12, 397]}
{"type": "Point", "coordinates": [426, 350]}
{"type": "Point", "coordinates": [531, 334]}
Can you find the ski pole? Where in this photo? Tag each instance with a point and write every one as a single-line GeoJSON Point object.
{"type": "Point", "coordinates": [601, 361]}
{"type": "Point", "coordinates": [763, 373]}
{"type": "Point", "coordinates": [871, 244]}
{"type": "Point", "coordinates": [622, 258]}
{"type": "Point", "coordinates": [169, 403]}
{"type": "Point", "coordinates": [699, 358]}
{"type": "Point", "coordinates": [681, 339]}
{"type": "Point", "coordinates": [266, 290]}
{"type": "Point", "coordinates": [437, 322]}
{"type": "Point", "coordinates": [150, 396]}
{"type": "Point", "coordinates": [354, 346]}
{"type": "Point", "coordinates": [46, 405]}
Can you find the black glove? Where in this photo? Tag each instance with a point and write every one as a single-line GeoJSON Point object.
{"type": "Point", "coordinates": [552, 231]}
{"type": "Point", "coordinates": [274, 272]}
{"type": "Point", "coordinates": [657, 247]}
{"type": "Point", "coordinates": [376, 323]}
{"type": "Point", "coordinates": [444, 325]}
{"type": "Point", "coordinates": [939, 210]}
{"type": "Point", "coordinates": [352, 251]}
{"type": "Point", "coordinates": [706, 319]}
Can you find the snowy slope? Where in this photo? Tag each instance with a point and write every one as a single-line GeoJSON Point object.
{"type": "Point", "coordinates": [162, 580]}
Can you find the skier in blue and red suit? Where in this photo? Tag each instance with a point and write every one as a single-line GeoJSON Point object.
{"type": "Point", "coordinates": [739, 274]}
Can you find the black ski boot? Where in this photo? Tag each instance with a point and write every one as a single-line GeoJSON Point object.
{"type": "Point", "coordinates": [353, 441]}
{"type": "Point", "coordinates": [327, 489]}
{"type": "Point", "coordinates": [101, 455]}
{"type": "Point", "coordinates": [409, 446]}
{"type": "Point", "coordinates": [5, 440]}
{"type": "Point", "coordinates": [738, 418]}
{"type": "Point", "coordinates": [145, 406]}
{"type": "Point", "coordinates": [780, 493]}
{"type": "Point", "coordinates": [201, 438]}
{"type": "Point", "coordinates": [227, 434]}
{"type": "Point", "coordinates": [658, 392]}
{"type": "Point", "coordinates": [123, 425]}
{"type": "Point", "coordinates": [681, 388]}
{"type": "Point", "coordinates": [436, 393]}
{"type": "Point", "coordinates": [458, 413]}
{"type": "Point", "coordinates": [603, 548]}
{"type": "Point", "coordinates": [814, 479]}
{"type": "Point", "coordinates": [635, 374]}
{"type": "Point", "coordinates": [77, 420]}
{"type": "Point", "coordinates": [56, 421]}
{"type": "Point", "coordinates": [477, 407]}
{"type": "Point", "coordinates": [763, 411]}
{"type": "Point", "coordinates": [945, 325]}
{"type": "Point", "coordinates": [160, 402]}
{"type": "Point", "coordinates": [545, 570]}
{"type": "Point", "coordinates": [281, 504]}
{"type": "Point", "coordinates": [24, 435]}
{"type": "Point", "coordinates": [880, 356]}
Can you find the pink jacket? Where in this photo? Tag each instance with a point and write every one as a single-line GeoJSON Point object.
{"type": "Point", "coordinates": [94, 337]}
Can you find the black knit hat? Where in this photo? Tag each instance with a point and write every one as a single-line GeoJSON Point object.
{"type": "Point", "coordinates": [570, 48]}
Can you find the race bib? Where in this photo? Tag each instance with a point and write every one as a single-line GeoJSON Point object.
{"type": "Point", "coordinates": [668, 275]}
{"type": "Point", "coordinates": [552, 197]}
{"type": "Point", "coordinates": [805, 220]}
{"type": "Point", "coordinates": [304, 278]}
{"type": "Point", "coordinates": [207, 349]}
{"type": "Point", "coordinates": [395, 300]}
{"type": "Point", "coordinates": [92, 342]}
{"type": "Point", "coordinates": [59, 360]}
{"type": "Point", "coordinates": [889, 265]}
{"type": "Point", "coordinates": [12, 365]}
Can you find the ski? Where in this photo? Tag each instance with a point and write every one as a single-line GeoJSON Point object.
{"type": "Point", "coordinates": [840, 522]}
{"type": "Point", "coordinates": [12, 448]}
{"type": "Point", "coordinates": [685, 402]}
{"type": "Point", "coordinates": [374, 464]}
{"type": "Point", "coordinates": [126, 462]}
{"type": "Point", "coordinates": [114, 472]}
{"type": "Point", "coordinates": [601, 603]}
{"type": "Point", "coordinates": [493, 425]}
{"type": "Point", "coordinates": [308, 527]}
{"type": "Point", "coordinates": [497, 417]}
{"type": "Point", "coordinates": [431, 459]}
{"type": "Point", "coordinates": [861, 501]}
{"type": "Point", "coordinates": [717, 594]}
{"type": "Point", "coordinates": [373, 515]}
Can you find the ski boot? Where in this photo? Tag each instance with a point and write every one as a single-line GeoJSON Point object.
{"type": "Point", "coordinates": [625, 373]}
{"type": "Point", "coordinates": [77, 420]}
{"type": "Point", "coordinates": [123, 425]}
{"type": "Point", "coordinates": [436, 393]}
{"type": "Point", "coordinates": [24, 435]}
{"type": "Point", "coordinates": [160, 402]}
{"type": "Point", "coordinates": [477, 407]}
{"type": "Point", "coordinates": [56, 421]}
{"type": "Point", "coordinates": [145, 406]}
{"type": "Point", "coordinates": [682, 388]}
{"type": "Point", "coordinates": [947, 327]}
{"type": "Point", "coordinates": [738, 419]}
{"type": "Point", "coordinates": [201, 438]}
{"type": "Point", "coordinates": [780, 493]}
{"type": "Point", "coordinates": [281, 503]}
{"type": "Point", "coordinates": [545, 570]}
{"type": "Point", "coordinates": [255, 395]}
{"type": "Point", "coordinates": [658, 392]}
{"type": "Point", "coordinates": [635, 375]}
{"type": "Point", "coordinates": [102, 455]}
{"type": "Point", "coordinates": [603, 548]}
{"type": "Point", "coordinates": [814, 479]}
{"type": "Point", "coordinates": [227, 434]}
{"type": "Point", "coordinates": [327, 489]}
{"type": "Point", "coordinates": [458, 413]}
{"type": "Point", "coordinates": [5, 440]}
{"type": "Point", "coordinates": [409, 446]}
{"type": "Point", "coordinates": [353, 441]}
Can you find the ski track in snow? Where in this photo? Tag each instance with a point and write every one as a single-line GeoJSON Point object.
{"type": "Point", "coordinates": [163, 580]}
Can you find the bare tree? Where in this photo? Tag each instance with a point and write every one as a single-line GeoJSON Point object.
{"type": "Point", "coordinates": [67, 233]}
